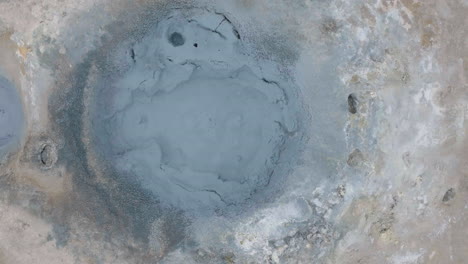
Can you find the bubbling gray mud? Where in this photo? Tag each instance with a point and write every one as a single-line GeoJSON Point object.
{"type": "Point", "coordinates": [192, 118]}
{"type": "Point", "coordinates": [11, 117]}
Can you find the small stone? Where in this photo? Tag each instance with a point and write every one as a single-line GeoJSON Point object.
{"type": "Point", "coordinates": [341, 190]}
{"type": "Point", "coordinates": [355, 158]}
{"type": "Point", "coordinates": [352, 103]}
{"type": "Point", "coordinates": [449, 195]}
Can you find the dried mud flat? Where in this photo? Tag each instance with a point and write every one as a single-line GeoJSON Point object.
{"type": "Point", "coordinates": [233, 131]}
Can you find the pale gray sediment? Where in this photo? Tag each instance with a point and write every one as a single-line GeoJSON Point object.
{"type": "Point", "coordinates": [11, 117]}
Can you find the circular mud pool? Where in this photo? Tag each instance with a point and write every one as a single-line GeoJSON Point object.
{"type": "Point", "coordinates": [188, 114]}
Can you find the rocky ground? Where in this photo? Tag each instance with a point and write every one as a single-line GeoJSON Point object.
{"type": "Point", "coordinates": [377, 171]}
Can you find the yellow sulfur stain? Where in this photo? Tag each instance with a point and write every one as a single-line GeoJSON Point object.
{"type": "Point", "coordinates": [23, 51]}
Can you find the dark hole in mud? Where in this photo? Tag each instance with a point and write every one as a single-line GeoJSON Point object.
{"type": "Point", "coordinates": [132, 55]}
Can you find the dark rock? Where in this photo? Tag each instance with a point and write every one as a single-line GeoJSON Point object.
{"type": "Point", "coordinates": [355, 158]}
{"type": "Point", "coordinates": [352, 103]}
{"type": "Point", "coordinates": [449, 195]}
